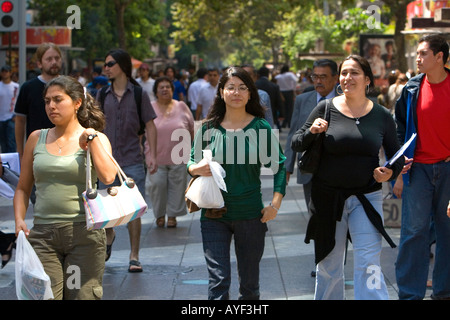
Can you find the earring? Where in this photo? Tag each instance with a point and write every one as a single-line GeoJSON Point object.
{"type": "Point", "coordinates": [367, 89]}
{"type": "Point", "coordinates": [339, 90]}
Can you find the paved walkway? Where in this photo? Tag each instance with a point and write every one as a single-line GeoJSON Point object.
{"type": "Point", "coordinates": [174, 266]}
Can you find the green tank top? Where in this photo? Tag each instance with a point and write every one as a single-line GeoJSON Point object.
{"type": "Point", "coordinates": [60, 181]}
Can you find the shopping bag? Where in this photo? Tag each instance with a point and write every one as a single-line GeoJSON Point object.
{"type": "Point", "coordinates": [32, 283]}
{"type": "Point", "coordinates": [205, 191]}
{"type": "Point", "coordinates": [113, 206]}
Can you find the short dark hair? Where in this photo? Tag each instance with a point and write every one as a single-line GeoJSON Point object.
{"type": "Point", "coordinates": [162, 79]}
{"type": "Point", "coordinates": [284, 68]}
{"type": "Point", "coordinates": [437, 43]}
{"type": "Point", "coordinates": [201, 73]}
{"type": "Point", "coordinates": [263, 72]}
{"type": "Point", "coordinates": [327, 63]}
{"type": "Point", "coordinates": [364, 64]}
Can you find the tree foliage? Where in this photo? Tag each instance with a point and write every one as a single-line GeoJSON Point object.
{"type": "Point", "coordinates": [100, 30]}
{"type": "Point", "coordinates": [275, 30]}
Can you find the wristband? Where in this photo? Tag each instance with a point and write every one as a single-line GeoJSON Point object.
{"type": "Point", "coordinates": [270, 204]}
{"type": "Point", "coordinates": [91, 137]}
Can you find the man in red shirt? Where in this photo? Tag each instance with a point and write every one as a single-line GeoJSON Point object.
{"type": "Point", "coordinates": [424, 108]}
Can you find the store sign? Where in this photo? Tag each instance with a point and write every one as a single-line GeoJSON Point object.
{"type": "Point", "coordinates": [61, 36]}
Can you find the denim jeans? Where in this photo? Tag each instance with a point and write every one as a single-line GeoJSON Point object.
{"type": "Point", "coordinates": [425, 197]}
{"type": "Point", "coordinates": [369, 283]}
{"type": "Point", "coordinates": [136, 172]}
{"type": "Point", "coordinates": [249, 247]}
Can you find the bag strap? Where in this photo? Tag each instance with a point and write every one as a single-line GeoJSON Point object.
{"type": "Point", "coordinates": [326, 114]}
{"type": "Point", "coordinates": [122, 176]}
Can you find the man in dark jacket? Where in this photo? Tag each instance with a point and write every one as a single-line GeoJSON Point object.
{"type": "Point", "coordinates": [274, 92]}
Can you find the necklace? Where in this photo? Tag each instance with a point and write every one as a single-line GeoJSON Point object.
{"type": "Point", "coordinates": [357, 122]}
{"type": "Point", "coordinates": [56, 141]}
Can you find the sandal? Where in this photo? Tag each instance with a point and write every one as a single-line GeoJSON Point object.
{"type": "Point", "coordinates": [171, 222]}
{"type": "Point", "coordinates": [160, 222]}
{"type": "Point", "coordinates": [134, 266]}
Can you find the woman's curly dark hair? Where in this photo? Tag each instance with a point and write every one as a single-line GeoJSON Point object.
{"type": "Point", "coordinates": [89, 114]}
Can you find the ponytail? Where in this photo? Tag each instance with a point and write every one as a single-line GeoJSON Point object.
{"type": "Point", "coordinates": [90, 115]}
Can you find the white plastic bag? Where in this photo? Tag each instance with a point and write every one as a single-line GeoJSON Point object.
{"type": "Point", "coordinates": [205, 191]}
{"type": "Point", "coordinates": [32, 283]}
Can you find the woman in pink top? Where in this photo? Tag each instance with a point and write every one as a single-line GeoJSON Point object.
{"type": "Point", "coordinates": [175, 127]}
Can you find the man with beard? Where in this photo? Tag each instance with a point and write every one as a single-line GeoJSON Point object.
{"type": "Point", "coordinates": [30, 106]}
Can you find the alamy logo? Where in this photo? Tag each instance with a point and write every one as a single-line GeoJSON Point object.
{"type": "Point", "coordinates": [374, 280]}
{"type": "Point", "coordinates": [74, 21]}
{"type": "Point", "coordinates": [374, 20]}
{"type": "Point", "coordinates": [239, 147]}
{"type": "Point", "coordinates": [74, 280]}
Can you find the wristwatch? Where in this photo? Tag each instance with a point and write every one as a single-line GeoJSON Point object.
{"type": "Point", "coordinates": [91, 137]}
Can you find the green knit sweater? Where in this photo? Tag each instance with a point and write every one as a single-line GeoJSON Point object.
{"type": "Point", "coordinates": [242, 153]}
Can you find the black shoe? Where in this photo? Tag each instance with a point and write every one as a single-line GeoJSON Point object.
{"type": "Point", "coordinates": [9, 245]}
{"type": "Point", "coordinates": [109, 249]}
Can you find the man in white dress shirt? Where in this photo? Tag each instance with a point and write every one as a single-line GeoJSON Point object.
{"type": "Point", "coordinates": [195, 87]}
{"type": "Point", "coordinates": [207, 94]}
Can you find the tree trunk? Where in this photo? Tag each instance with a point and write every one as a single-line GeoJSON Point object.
{"type": "Point", "coordinates": [399, 7]}
{"type": "Point", "coordinates": [120, 11]}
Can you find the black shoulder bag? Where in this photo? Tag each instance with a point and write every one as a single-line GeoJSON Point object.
{"type": "Point", "coordinates": [309, 161]}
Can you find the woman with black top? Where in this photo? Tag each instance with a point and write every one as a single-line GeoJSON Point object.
{"type": "Point", "coordinates": [346, 196]}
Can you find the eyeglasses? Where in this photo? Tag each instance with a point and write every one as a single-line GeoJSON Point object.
{"type": "Point", "coordinates": [318, 76]}
{"type": "Point", "coordinates": [239, 89]}
{"type": "Point", "coordinates": [110, 64]}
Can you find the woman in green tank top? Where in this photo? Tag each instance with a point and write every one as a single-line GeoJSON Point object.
{"type": "Point", "coordinates": [54, 160]}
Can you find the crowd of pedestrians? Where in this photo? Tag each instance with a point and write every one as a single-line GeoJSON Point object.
{"type": "Point", "coordinates": [52, 119]}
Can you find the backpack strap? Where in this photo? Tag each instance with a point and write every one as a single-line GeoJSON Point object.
{"type": "Point", "coordinates": [102, 97]}
{"type": "Point", "coordinates": [138, 98]}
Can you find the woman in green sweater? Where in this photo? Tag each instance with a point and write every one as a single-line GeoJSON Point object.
{"type": "Point", "coordinates": [241, 141]}
{"type": "Point", "coordinates": [54, 161]}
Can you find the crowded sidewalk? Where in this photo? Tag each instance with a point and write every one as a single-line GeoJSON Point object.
{"type": "Point", "coordinates": [174, 267]}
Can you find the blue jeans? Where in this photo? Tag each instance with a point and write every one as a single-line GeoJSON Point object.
{"type": "Point", "coordinates": [425, 197]}
{"type": "Point", "coordinates": [136, 172]}
{"type": "Point", "coordinates": [369, 283]}
{"type": "Point", "coordinates": [249, 247]}
{"type": "Point", "coordinates": [7, 136]}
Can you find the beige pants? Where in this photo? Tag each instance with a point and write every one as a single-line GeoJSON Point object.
{"type": "Point", "coordinates": [166, 190]}
{"type": "Point", "coordinates": [73, 258]}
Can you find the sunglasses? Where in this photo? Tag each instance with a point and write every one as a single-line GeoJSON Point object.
{"type": "Point", "coordinates": [110, 64]}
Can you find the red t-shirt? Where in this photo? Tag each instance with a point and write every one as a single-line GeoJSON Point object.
{"type": "Point", "coordinates": [433, 116]}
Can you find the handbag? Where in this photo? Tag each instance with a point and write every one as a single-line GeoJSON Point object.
{"type": "Point", "coordinates": [191, 206]}
{"type": "Point", "coordinates": [310, 159]}
{"type": "Point", "coordinates": [113, 206]}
